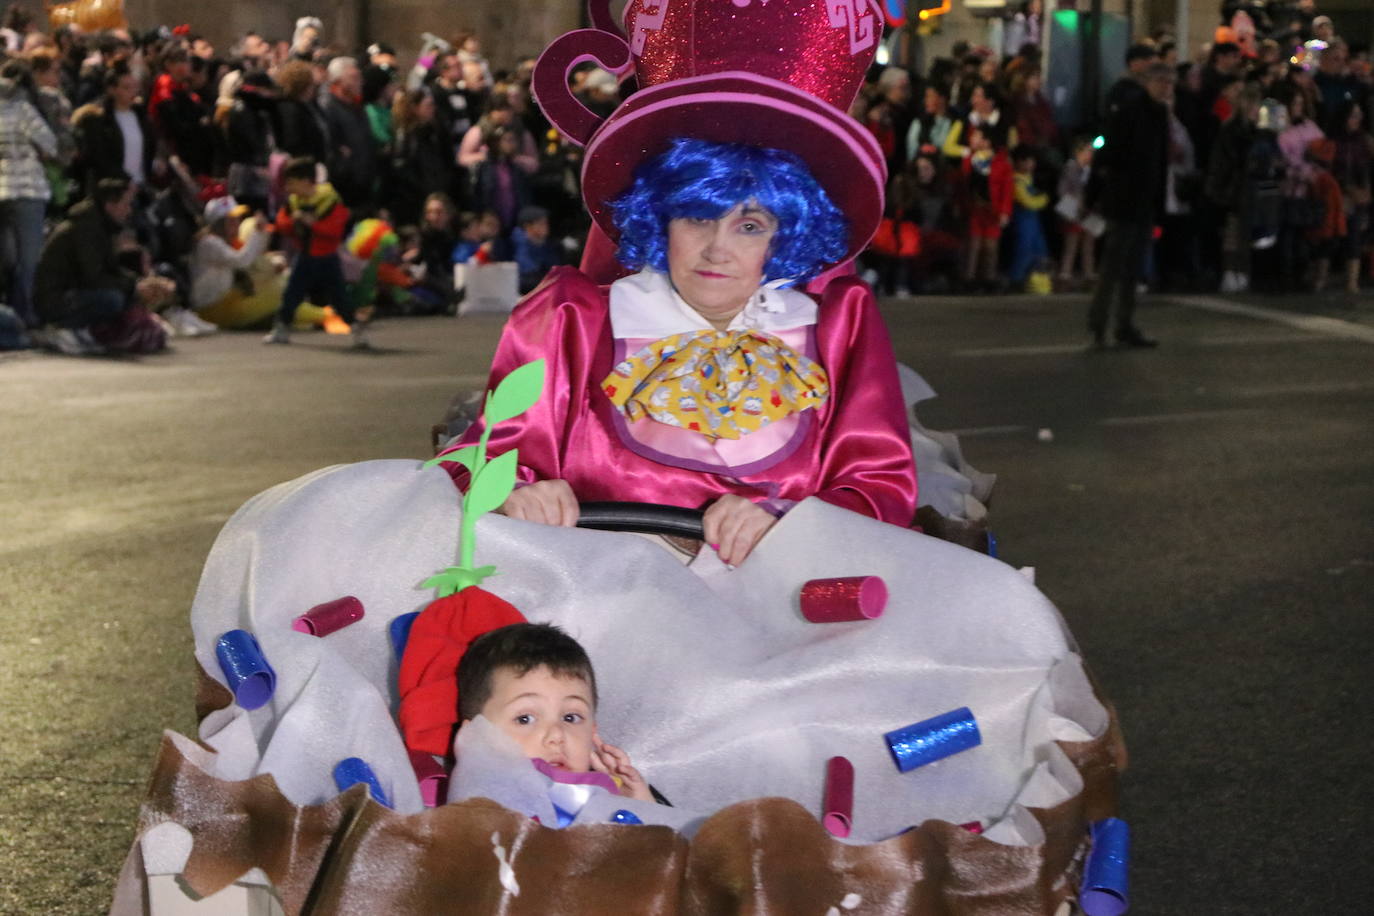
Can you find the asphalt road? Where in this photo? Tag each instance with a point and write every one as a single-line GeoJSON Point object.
{"type": "Point", "coordinates": [1203, 514]}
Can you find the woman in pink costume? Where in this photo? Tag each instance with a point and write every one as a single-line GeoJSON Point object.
{"type": "Point", "coordinates": [708, 379]}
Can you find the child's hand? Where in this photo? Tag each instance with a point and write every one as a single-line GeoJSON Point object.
{"type": "Point", "coordinates": [611, 760]}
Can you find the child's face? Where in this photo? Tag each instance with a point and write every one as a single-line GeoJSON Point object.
{"type": "Point", "coordinates": [490, 226]}
{"type": "Point", "coordinates": [537, 231]}
{"type": "Point", "coordinates": [1085, 155]}
{"type": "Point", "coordinates": [300, 187]}
{"type": "Point", "coordinates": [436, 214]}
{"type": "Point", "coordinates": [549, 715]}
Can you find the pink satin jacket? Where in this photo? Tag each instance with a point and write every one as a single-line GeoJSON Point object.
{"type": "Point", "coordinates": [854, 451]}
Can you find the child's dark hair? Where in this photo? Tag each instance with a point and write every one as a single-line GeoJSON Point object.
{"type": "Point", "coordinates": [1079, 142]}
{"type": "Point", "coordinates": [521, 647]}
{"type": "Point", "coordinates": [995, 134]}
{"type": "Point", "coordinates": [301, 167]}
{"type": "Point", "coordinates": [1021, 152]}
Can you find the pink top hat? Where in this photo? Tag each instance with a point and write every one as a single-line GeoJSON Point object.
{"type": "Point", "coordinates": [769, 73]}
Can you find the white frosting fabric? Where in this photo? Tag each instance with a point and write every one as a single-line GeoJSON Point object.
{"type": "Point", "coordinates": [710, 678]}
{"type": "Point", "coordinates": [947, 482]}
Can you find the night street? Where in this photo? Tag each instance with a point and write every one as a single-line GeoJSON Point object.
{"type": "Point", "coordinates": [1203, 515]}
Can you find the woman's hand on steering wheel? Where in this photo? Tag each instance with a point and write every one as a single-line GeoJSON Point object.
{"type": "Point", "coordinates": [550, 502]}
{"type": "Point", "coordinates": [733, 525]}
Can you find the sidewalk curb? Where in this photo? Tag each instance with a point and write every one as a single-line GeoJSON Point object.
{"type": "Point", "coordinates": [1317, 324]}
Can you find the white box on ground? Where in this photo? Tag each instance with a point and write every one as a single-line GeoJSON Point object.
{"type": "Point", "coordinates": [490, 288]}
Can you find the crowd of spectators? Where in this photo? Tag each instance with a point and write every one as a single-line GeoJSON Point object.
{"type": "Point", "coordinates": [141, 173]}
{"type": "Point", "coordinates": [1264, 144]}
{"type": "Point", "coordinates": [157, 163]}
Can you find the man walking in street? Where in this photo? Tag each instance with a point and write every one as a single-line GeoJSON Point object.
{"type": "Point", "coordinates": [1132, 165]}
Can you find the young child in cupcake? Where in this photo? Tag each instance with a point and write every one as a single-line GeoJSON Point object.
{"type": "Point", "coordinates": [535, 683]}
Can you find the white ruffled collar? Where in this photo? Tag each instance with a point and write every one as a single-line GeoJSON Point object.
{"type": "Point", "coordinates": [645, 306]}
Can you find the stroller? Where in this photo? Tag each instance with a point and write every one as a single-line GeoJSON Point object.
{"type": "Point", "coordinates": [731, 700]}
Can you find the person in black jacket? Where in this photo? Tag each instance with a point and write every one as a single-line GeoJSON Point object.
{"type": "Point", "coordinates": [1132, 164]}
{"type": "Point", "coordinates": [250, 137]}
{"type": "Point", "coordinates": [113, 138]}
{"type": "Point", "coordinates": [353, 159]}
{"type": "Point", "coordinates": [422, 161]}
{"type": "Point", "coordinates": [179, 116]}
{"type": "Point", "coordinates": [302, 125]}
{"type": "Point", "coordinates": [81, 279]}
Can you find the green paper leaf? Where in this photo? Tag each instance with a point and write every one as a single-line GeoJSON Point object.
{"type": "Point", "coordinates": [516, 394]}
{"type": "Point", "coordinates": [465, 456]}
{"type": "Point", "coordinates": [456, 578]}
{"type": "Point", "coordinates": [490, 486]}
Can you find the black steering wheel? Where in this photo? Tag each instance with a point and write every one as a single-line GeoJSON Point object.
{"type": "Point", "coordinates": [642, 518]}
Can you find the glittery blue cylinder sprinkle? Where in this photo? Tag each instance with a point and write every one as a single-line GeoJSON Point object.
{"type": "Point", "coordinates": [400, 632]}
{"type": "Point", "coordinates": [245, 668]}
{"type": "Point", "coordinates": [1106, 876]}
{"type": "Point", "coordinates": [930, 740]}
{"type": "Point", "coordinates": [354, 770]}
{"type": "Point", "coordinates": [624, 816]}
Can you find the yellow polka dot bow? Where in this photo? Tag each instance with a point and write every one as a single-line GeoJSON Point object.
{"type": "Point", "coordinates": [722, 384]}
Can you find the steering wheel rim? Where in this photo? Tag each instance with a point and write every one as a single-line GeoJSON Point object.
{"type": "Point", "coordinates": [642, 518]}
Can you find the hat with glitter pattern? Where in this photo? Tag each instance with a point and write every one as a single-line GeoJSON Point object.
{"type": "Point", "coordinates": [768, 73]}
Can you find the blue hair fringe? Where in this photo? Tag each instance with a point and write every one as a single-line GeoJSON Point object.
{"type": "Point", "coordinates": [704, 180]}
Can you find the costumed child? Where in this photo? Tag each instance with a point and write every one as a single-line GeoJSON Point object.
{"type": "Point", "coordinates": [1028, 250]}
{"type": "Point", "coordinates": [232, 277]}
{"type": "Point", "coordinates": [987, 174]}
{"type": "Point", "coordinates": [373, 268]}
{"type": "Point", "coordinates": [316, 218]}
{"type": "Point", "coordinates": [535, 683]}
{"type": "Point", "coordinates": [471, 662]}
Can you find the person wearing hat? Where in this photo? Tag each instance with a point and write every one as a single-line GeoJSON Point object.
{"type": "Point", "coordinates": [382, 56]}
{"type": "Point", "coordinates": [1323, 29]}
{"type": "Point", "coordinates": [233, 285]}
{"type": "Point", "coordinates": [708, 378]}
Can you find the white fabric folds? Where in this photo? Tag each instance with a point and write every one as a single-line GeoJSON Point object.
{"type": "Point", "coordinates": [710, 678]}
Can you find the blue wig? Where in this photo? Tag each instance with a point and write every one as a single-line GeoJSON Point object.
{"type": "Point", "coordinates": [703, 180]}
